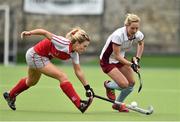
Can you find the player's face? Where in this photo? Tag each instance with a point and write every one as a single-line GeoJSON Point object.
{"type": "Point", "coordinates": [133, 28]}
{"type": "Point", "coordinates": [81, 47]}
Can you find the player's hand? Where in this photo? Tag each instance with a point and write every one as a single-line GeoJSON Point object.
{"type": "Point", "coordinates": [89, 91]}
{"type": "Point", "coordinates": [135, 64]}
{"type": "Point", "coordinates": [135, 60]}
{"type": "Point", "coordinates": [135, 67]}
{"type": "Point", "coordinates": [25, 33]}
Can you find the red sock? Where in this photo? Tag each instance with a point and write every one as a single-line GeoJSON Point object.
{"type": "Point", "coordinates": [20, 87]}
{"type": "Point", "coordinates": [70, 92]}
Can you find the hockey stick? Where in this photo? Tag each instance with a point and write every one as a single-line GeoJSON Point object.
{"type": "Point", "coordinates": [140, 81]}
{"type": "Point", "coordinates": [138, 73]}
{"type": "Point", "coordinates": [137, 109]}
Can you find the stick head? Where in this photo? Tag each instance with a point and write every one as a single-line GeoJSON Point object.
{"type": "Point", "coordinates": [150, 110]}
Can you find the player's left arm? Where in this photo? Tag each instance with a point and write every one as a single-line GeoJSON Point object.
{"type": "Point", "coordinates": [139, 52]}
{"type": "Point", "coordinates": [80, 75]}
{"type": "Point", "coordinates": [136, 59]}
{"type": "Point", "coordinates": [140, 49]}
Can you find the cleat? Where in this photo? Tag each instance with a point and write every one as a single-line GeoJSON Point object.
{"type": "Point", "coordinates": [120, 108]}
{"type": "Point", "coordinates": [10, 101]}
{"type": "Point", "coordinates": [85, 104]}
{"type": "Point", "coordinates": [110, 93]}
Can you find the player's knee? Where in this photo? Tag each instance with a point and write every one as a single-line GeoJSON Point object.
{"type": "Point", "coordinates": [62, 77]}
{"type": "Point", "coordinates": [31, 82]}
{"type": "Point", "coordinates": [124, 85]}
{"type": "Point", "coordinates": [132, 83]}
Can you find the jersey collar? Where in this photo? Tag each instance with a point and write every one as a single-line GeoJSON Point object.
{"type": "Point", "coordinates": [126, 35]}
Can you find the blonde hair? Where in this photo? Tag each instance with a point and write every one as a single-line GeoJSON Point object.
{"type": "Point", "coordinates": [77, 34]}
{"type": "Point", "coordinates": [130, 18]}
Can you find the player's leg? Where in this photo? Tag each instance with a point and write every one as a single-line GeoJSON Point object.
{"type": "Point", "coordinates": [22, 85]}
{"type": "Point", "coordinates": [33, 77]}
{"type": "Point", "coordinates": [114, 73]}
{"type": "Point", "coordinates": [119, 78]}
{"type": "Point", "coordinates": [120, 83]}
{"type": "Point", "coordinates": [25, 83]}
{"type": "Point", "coordinates": [54, 72]}
{"type": "Point", "coordinates": [128, 73]}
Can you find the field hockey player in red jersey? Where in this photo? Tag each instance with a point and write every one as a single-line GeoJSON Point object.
{"type": "Point", "coordinates": [39, 57]}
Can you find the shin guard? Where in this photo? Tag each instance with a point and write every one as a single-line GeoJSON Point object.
{"type": "Point", "coordinates": [20, 87]}
{"type": "Point", "coordinates": [70, 92]}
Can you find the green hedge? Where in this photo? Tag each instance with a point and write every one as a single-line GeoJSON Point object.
{"type": "Point", "coordinates": [146, 61]}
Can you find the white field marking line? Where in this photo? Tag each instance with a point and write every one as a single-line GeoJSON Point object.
{"type": "Point", "coordinates": [92, 121]}
{"type": "Point", "coordinates": [55, 86]}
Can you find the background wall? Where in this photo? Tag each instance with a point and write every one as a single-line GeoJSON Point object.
{"type": "Point", "coordinates": [160, 24]}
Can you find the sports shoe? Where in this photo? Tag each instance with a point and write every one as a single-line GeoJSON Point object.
{"type": "Point", "coordinates": [10, 101]}
{"type": "Point", "coordinates": [110, 93]}
{"type": "Point", "coordinates": [120, 108]}
{"type": "Point", "coordinates": [85, 104]}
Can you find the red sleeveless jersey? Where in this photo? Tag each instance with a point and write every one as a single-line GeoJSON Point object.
{"type": "Point", "coordinates": [58, 47]}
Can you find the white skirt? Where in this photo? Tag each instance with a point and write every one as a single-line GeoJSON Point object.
{"type": "Point", "coordinates": [34, 60]}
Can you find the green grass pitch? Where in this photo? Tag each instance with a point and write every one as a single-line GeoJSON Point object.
{"type": "Point", "coordinates": [46, 101]}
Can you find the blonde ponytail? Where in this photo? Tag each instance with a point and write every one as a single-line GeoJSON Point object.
{"type": "Point", "coordinates": [77, 34]}
{"type": "Point", "coordinates": [131, 18]}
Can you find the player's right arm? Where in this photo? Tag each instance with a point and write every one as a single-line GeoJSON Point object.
{"type": "Point", "coordinates": [116, 50]}
{"type": "Point", "coordinates": [42, 32]}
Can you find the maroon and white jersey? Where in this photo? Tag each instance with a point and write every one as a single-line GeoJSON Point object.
{"type": "Point", "coordinates": [58, 47]}
{"type": "Point", "coordinates": [120, 38]}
